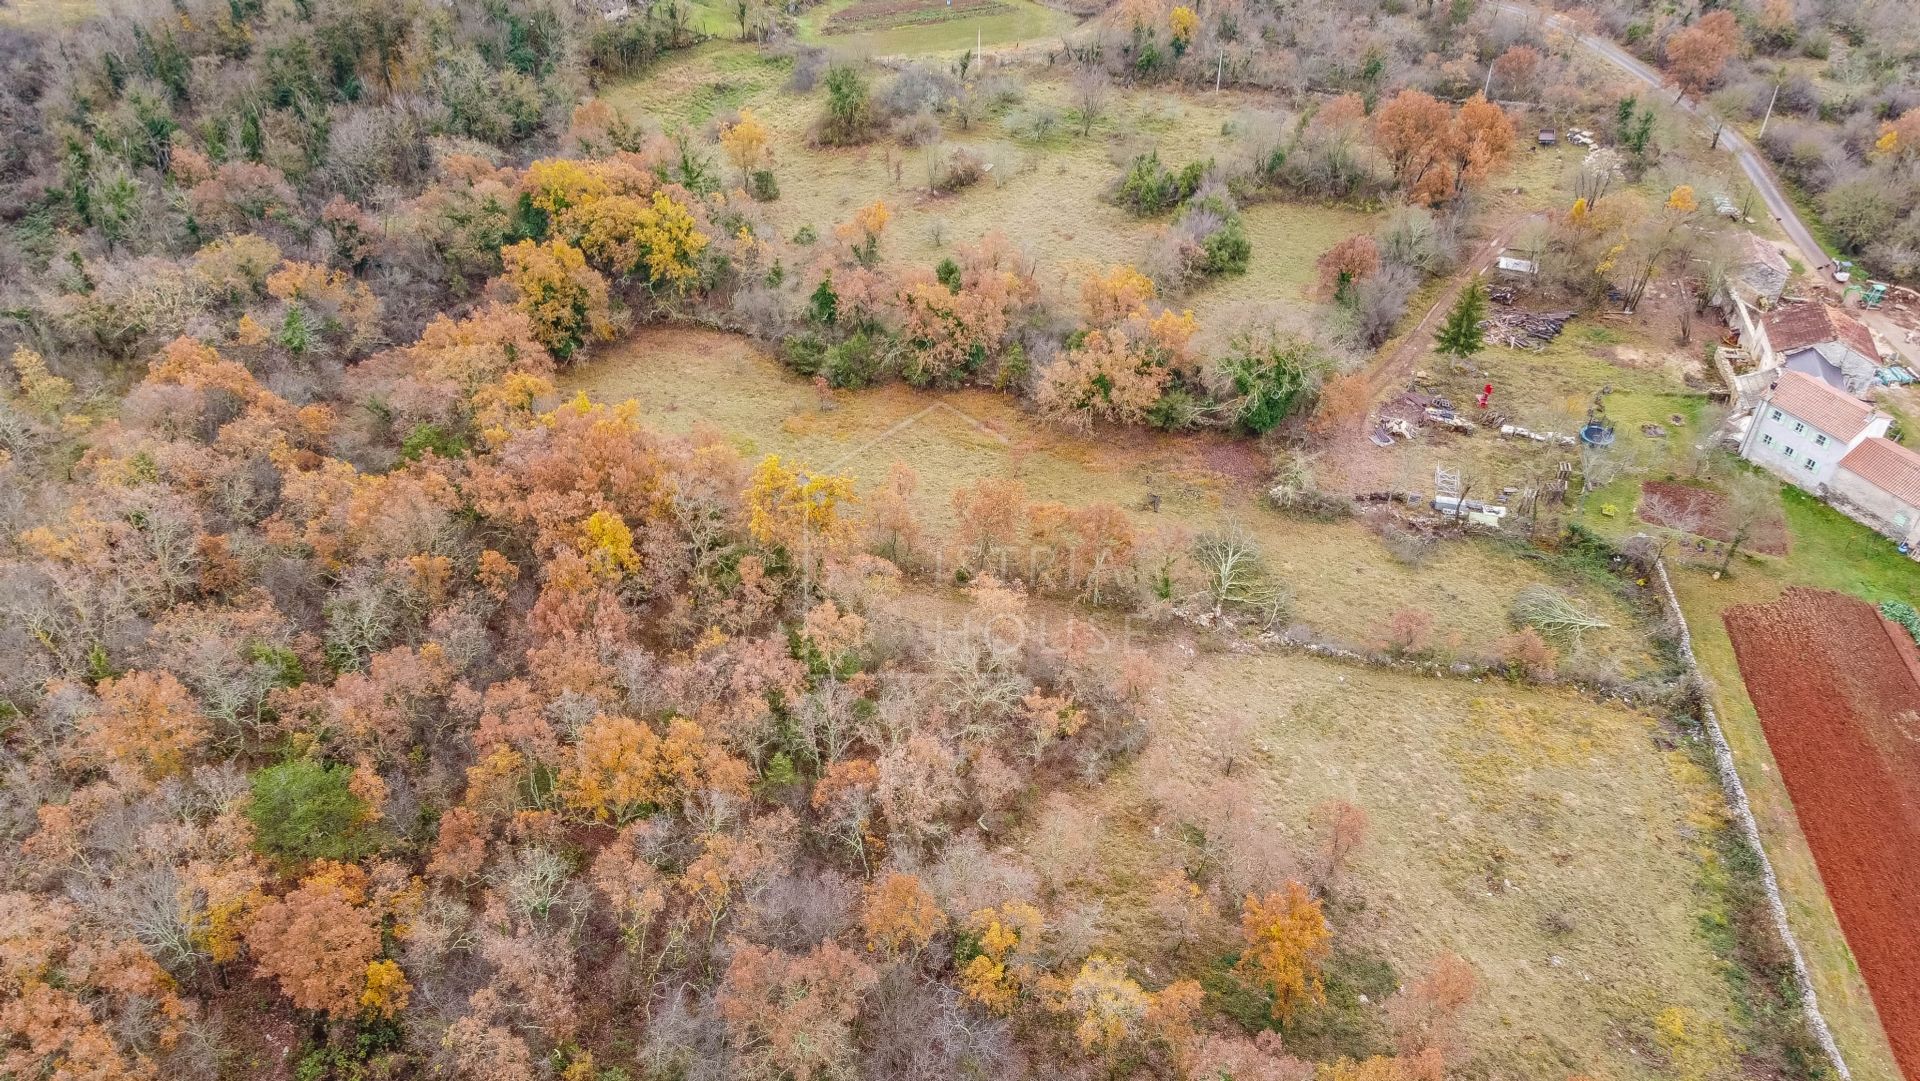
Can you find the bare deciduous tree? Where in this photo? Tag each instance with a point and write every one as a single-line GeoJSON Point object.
{"type": "Point", "coordinates": [1091, 92]}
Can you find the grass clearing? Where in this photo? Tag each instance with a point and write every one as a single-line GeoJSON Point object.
{"type": "Point", "coordinates": [915, 27]}
{"type": "Point", "coordinates": [693, 86]}
{"type": "Point", "coordinates": [1288, 238]}
{"type": "Point", "coordinates": [682, 377]}
{"type": "Point", "coordinates": [1551, 841]}
{"type": "Point", "coordinates": [46, 14]}
{"type": "Point", "coordinates": [1052, 194]}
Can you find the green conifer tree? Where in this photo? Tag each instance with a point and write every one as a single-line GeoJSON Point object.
{"type": "Point", "coordinates": [1460, 336]}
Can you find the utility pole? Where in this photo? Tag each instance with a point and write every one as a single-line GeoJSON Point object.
{"type": "Point", "coordinates": [1487, 86]}
{"type": "Point", "coordinates": [1769, 116]}
{"type": "Point", "coordinates": [1717, 129]}
{"type": "Point", "coordinates": [1220, 69]}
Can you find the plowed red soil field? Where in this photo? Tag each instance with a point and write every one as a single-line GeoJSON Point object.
{"type": "Point", "coordinates": [1837, 692]}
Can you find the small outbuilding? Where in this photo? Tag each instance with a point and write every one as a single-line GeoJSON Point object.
{"type": "Point", "coordinates": [1759, 272]}
{"type": "Point", "coordinates": [1824, 342]}
{"type": "Point", "coordinates": [1513, 264]}
{"type": "Point", "coordinates": [1880, 481]}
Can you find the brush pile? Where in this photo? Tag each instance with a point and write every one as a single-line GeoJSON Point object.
{"type": "Point", "coordinates": [1525, 330]}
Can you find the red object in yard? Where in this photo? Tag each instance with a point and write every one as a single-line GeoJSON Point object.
{"type": "Point", "coordinates": [1486, 392]}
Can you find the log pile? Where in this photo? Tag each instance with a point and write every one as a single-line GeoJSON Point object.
{"type": "Point", "coordinates": [1525, 330]}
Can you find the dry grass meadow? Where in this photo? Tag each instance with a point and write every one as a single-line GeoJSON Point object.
{"type": "Point", "coordinates": [1048, 193]}
{"type": "Point", "coordinates": [685, 376]}
{"type": "Point", "coordinates": [45, 14]}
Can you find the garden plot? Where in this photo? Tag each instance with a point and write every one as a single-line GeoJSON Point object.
{"type": "Point", "coordinates": [1700, 512]}
{"type": "Point", "coordinates": [1550, 391]}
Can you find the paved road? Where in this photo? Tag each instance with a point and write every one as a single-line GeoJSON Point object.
{"type": "Point", "coordinates": [1743, 151]}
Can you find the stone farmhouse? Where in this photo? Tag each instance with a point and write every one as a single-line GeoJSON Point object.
{"type": "Point", "coordinates": [1823, 439]}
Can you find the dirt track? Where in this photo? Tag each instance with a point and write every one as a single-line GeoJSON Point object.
{"type": "Point", "coordinates": [1836, 691]}
{"type": "Point", "coordinates": [1351, 462]}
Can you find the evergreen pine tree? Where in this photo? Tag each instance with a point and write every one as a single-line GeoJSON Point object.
{"type": "Point", "coordinates": [1460, 335]}
{"type": "Point", "coordinates": [824, 307]}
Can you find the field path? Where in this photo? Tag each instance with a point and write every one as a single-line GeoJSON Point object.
{"type": "Point", "coordinates": [1391, 369]}
{"type": "Point", "coordinates": [1354, 463]}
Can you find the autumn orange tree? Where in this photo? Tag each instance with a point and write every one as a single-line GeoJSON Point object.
{"type": "Point", "coordinates": [1108, 298]}
{"type": "Point", "coordinates": [958, 322]}
{"type": "Point", "coordinates": [1287, 938]}
{"type": "Point", "coordinates": [319, 940]}
{"type": "Point", "coordinates": [1516, 71]}
{"type": "Point", "coordinates": [1436, 152]}
{"type": "Point", "coordinates": [623, 769]}
{"type": "Point", "coordinates": [791, 1015]}
{"type": "Point", "coordinates": [899, 916]}
{"type": "Point", "coordinates": [1118, 374]}
{"type": "Point", "coordinates": [1697, 54]}
{"type": "Point", "coordinates": [68, 997]}
{"type": "Point", "coordinates": [1347, 263]}
{"type": "Point", "coordinates": [440, 378]}
{"type": "Point", "coordinates": [148, 725]}
{"type": "Point", "coordinates": [861, 233]}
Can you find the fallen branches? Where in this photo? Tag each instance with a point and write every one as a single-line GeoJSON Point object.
{"type": "Point", "coordinates": [1553, 613]}
{"type": "Point", "coordinates": [1525, 330]}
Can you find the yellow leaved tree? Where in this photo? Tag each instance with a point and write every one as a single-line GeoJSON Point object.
{"type": "Point", "coordinates": [655, 237]}
{"type": "Point", "coordinates": [565, 299]}
{"type": "Point", "coordinates": [40, 390]}
{"type": "Point", "coordinates": [608, 545]}
{"type": "Point", "coordinates": [997, 974]}
{"type": "Point", "coordinates": [745, 142]}
{"type": "Point", "coordinates": [793, 508]}
{"type": "Point", "coordinates": [387, 989]}
{"type": "Point", "coordinates": [1182, 22]}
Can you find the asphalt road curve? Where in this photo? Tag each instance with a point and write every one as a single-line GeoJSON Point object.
{"type": "Point", "coordinates": [1735, 143]}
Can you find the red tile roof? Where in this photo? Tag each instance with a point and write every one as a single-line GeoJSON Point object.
{"type": "Point", "coordinates": [1887, 466]}
{"type": "Point", "coordinates": [1834, 412]}
{"type": "Point", "coordinates": [1798, 326]}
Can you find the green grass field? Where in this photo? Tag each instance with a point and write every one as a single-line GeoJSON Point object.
{"type": "Point", "coordinates": [928, 30]}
